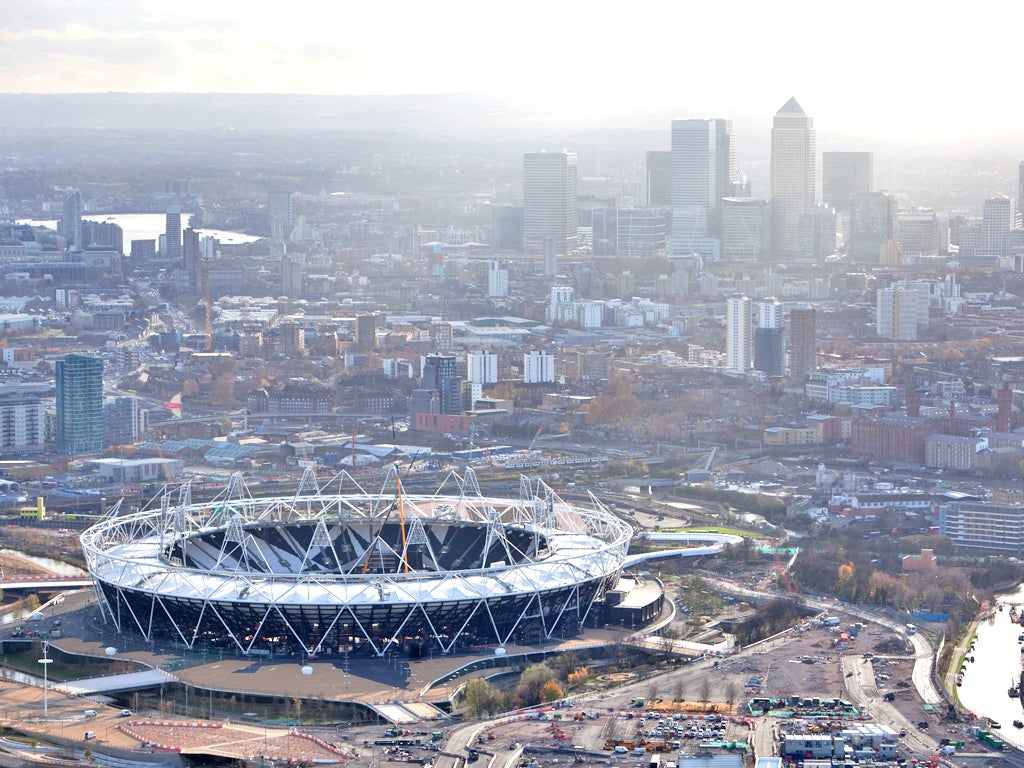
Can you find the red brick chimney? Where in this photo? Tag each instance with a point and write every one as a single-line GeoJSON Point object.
{"type": "Point", "coordinates": [1004, 397]}
{"type": "Point", "coordinates": [913, 405]}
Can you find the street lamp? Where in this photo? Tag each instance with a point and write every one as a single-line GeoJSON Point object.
{"type": "Point", "coordinates": [45, 661]}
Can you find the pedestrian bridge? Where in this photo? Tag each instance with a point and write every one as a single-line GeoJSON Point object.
{"type": "Point", "coordinates": [130, 681]}
{"type": "Point", "coordinates": [45, 582]}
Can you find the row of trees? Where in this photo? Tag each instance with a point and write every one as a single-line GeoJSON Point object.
{"type": "Point", "coordinates": [538, 684]}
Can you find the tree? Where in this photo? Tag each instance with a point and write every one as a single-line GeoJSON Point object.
{"type": "Point", "coordinates": [705, 689]}
{"type": "Point", "coordinates": [30, 604]}
{"type": "Point", "coordinates": [551, 691]}
{"type": "Point", "coordinates": [532, 680]}
{"type": "Point", "coordinates": [479, 697]}
{"type": "Point", "coordinates": [679, 688]}
{"type": "Point", "coordinates": [731, 693]}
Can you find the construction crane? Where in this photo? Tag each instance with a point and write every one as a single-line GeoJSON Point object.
{"type": "Point", "coordinates": [397, 504]}
{"type": "Point", "coordinates": [536, 436]}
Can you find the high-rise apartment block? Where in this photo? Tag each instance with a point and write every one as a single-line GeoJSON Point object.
{"type": "Point", "coordinates": [998, 217]}
{"type": "Point", "coordinates": [71, 221]}
{"type": "Point", "coordinates": [770, 339]}
{"type": "Point", "coordinates": [497, 280]}
{"type": "Point", "coordinates": [902, 310]}
{"type": "Point", "coordinates": [792, 176]}
{"type": "Point", "coordinates": [79, 386]}
{"type": "Point", "coordinates": [21, 423]}
{"type": "Point", "coordinates": [143, 251]}
{"type": "Point", "coordinates": [549, 202]}
{"type": "Point", "coordinates": [739, 336]}
{"type": "Point", "coordinates": [123, 421]}
{"type": "Point", "coordinates": [366, 333]}
{"type": "Point", "coordinates": [280, 214]}
{"type": "Point", "coordinates": [801, 337]}
{"type": "Point", "coordinates": [172, 234]}
{"type": "Point", "coordinates": [845, 174]}
{"type": "Point", "coordinates": [482, 367]}
{"type": "Point", "coordinates": [538, 367]}
{"type": "Point", "coordinates": [703, 172]}
{"type": "Point", "coordinates": [441, 337]}
{"type": "Point", "coordinates": [440, 373]}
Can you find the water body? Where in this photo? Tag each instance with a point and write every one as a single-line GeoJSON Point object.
{"type": "Point", "coordinates": [147, 226]}
{"type": "Point", "coordinates": [53, 566]}
{"type": "Point", "coordinates": [997, 664]}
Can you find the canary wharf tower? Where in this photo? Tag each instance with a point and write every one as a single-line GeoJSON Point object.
{"type": "Point", "coordinates": [792, 176]}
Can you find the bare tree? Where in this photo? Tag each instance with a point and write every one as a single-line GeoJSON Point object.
{"type": "Point", "coordinates": [705, 689]}
{"type": "Point", "coordinates": [731, 694]}
{"type": "Point", "coordinates": [679, 688]}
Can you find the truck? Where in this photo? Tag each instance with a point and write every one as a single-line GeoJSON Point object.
{"type": "Point", "coordinates": [830, 621]}
{"type": "Point", "coordinates": [911, 629]}
{"type": "Point", "coordinates": [638, 702]}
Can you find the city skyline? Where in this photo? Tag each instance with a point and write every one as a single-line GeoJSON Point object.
{"type": "Point", "coordinates": [146, 47]}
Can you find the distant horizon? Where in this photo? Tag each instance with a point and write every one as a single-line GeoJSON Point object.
{"type": "Point", "coordinates": [519, 117]}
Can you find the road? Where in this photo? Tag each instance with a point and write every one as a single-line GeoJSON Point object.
{"type": "Point", "coordinates": [863, 689]}
{"type": "Point", "coordinates": [924, 652]}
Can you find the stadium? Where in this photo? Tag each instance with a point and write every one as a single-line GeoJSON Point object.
{"type": "Point", "coordinates": [337, 569]}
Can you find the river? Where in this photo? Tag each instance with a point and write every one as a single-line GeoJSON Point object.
{"type": "Point", "coordinates": [997, 664]}
{"type": "Point", "coordinates": [56, 567]}
{"type": "Point", "coordinates": [147, 226]}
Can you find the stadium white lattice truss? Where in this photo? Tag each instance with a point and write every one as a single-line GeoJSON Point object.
{"type": "Point", "coordinates": [330, 571]}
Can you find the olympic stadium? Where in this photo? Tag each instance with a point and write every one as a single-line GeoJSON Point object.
{"type": "Point", "coordinates": [338, 569]}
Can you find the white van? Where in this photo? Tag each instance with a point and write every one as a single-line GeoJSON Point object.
{"type": "Point", "coordinates": [619, 749]}
{"type": "Point", "coordinates": [90, 735]}
{"type": "Point", "coordinates": [640, 750]}
{"type": "Point", "coordinates": [90, 713]}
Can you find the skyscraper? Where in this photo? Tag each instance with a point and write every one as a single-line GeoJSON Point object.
{"type": "Point", "coordinates": [71, 221]}
{"type": "Point", "coordinates": [279, 214]}
{"type": "Point", "coordinates": [703, 172]}
{"type": "Point", "coordinates": [172, 234]}
{"type": "Point", "coordinates": [745, 229]}
{"type": "Point", "coordinates": [802, 332]}
{"type": "Point", "coordinates": [1020, 191]}
{"type": "Point", "coordinates": [872, 225]}
{"type": "Point", "coordinates": [770, 339]}
{"type": "Point", "coordinates": [506, 228]}
{"type": "Point", "coordinates": [549, 202]}
{"type": "Point", "coordinates": [79, 385]}
{"type": "Point", "coordinates": [843, 175]}
{"type": "Point", "coordinates": [658, 178]}
{"type": "Point", "coordinates": [998, 215]}
{"type": "Point", "coordinates": [738, 334]}
{"type": "Point", "coordinates": [817, 233]}
{"type": "Point", "coordinates": [440, 374]}
{"type": "Point", "coordinates": [792, 176]}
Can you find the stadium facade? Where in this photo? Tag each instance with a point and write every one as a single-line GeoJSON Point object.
{"type": "Point", "coordinates": [349, 571]}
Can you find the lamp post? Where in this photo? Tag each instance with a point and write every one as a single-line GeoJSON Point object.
{"type": "Point", "coordinates": [45, 661]}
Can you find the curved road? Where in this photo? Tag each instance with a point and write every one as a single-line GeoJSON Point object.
{"type": "Point", "coordinates": [924, 652]}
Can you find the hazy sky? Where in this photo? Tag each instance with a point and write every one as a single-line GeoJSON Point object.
{"type": "Point", "coordinates": [901, 70]}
